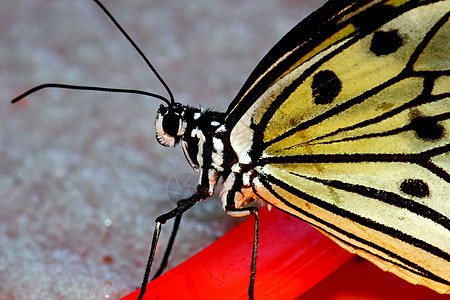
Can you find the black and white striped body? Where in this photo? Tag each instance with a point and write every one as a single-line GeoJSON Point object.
{"type": "Point", "coordinates": [202, 137]}
{"type": "Point", "coordinates": [207, 148]}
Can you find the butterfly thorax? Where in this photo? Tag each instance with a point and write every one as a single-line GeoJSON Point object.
{"type": "Point", "coordinates": [206, 146]}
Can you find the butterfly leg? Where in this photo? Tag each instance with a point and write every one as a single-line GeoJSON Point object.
{"type": "Point", "coordinates": [254, 254]}
{"type": "Point", "coordinates": [182, 206]}
{"type": "Point", "coordinates": [165, 259]}
{"type": "Point", "coordinates": [252, 211]}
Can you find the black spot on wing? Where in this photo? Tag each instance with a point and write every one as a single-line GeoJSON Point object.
{"type": "Point", "coordinates": [427, 129]}
{"type": "Point", "coordinates": [385, 42]}
{"type": "Point", "coordinates": [326, 86]}
{"type": "Point", "coordinates": [415, 187]}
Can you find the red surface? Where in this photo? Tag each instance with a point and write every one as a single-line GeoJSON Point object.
{"type": "Point", "coordinates": [359, 279]}
{"type": "Point", "coordinates": [292, 258]}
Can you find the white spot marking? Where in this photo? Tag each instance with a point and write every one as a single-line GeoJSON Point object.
{"type": "Point", "coordinates": [197, 133]}
{"type": "Point", "coordinates": [218, 145]}
{"type": "Point", "coordinates": [212, 178]}
{"type": "Point", "coordinates": [221, 129]}
{"type": "Point", "coordinates": [226, 187]}
{"type": "Point", "coordinates": [246, 179]}
{"type": "Point", "coordinates": [236, 168]}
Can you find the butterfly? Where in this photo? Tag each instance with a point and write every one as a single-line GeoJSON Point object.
{"type": "Point", "coordinates": [343, 124]}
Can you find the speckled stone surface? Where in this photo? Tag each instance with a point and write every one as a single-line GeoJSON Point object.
{"type": "Point", "coordinates": [82, 177]}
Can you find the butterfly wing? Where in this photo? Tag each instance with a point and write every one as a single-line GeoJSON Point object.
{"type": "Point", "coordinates": [349, 130]}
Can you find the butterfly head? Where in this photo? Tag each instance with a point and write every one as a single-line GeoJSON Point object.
{"type": "Point", "coordinates": [170, 124]}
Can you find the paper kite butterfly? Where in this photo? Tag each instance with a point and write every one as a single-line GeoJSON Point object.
{"type": "Point", "coordinates": [345, 124]}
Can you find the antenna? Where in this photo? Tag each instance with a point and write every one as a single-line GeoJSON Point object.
{"type": "Point", "coordinates": [107, 89]}
{"type": "Point", "coordinates": [88, 88]}
{"type": "Point", "coordinates": [137, 49]}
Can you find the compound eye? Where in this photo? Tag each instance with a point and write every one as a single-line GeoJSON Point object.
{"type": "Point", "coordinates": [170, 124]}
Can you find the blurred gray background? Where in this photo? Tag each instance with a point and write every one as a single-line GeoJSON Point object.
{"type": "Point", "coordinates": [82, 177]}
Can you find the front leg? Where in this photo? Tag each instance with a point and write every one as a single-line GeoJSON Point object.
{"type": "Point", "coordinates": [182, 206]}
